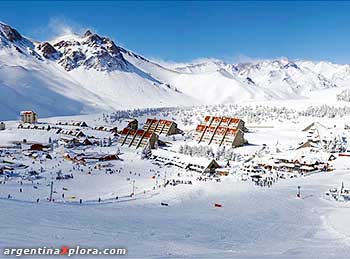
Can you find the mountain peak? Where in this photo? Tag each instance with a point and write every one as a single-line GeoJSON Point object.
{"type": "Point", "coordinates": [9, 33]}
{"type": "Point", "coordinates": [87, 33]}
{"type": "Point", "coordinates": [89, 51]}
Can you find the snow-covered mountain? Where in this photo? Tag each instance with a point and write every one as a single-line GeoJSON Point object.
{"type": "Point", "coordinates": [74, 74]}
{"type": "Point", "coordinates": [219, 82]}
{"type": "Point", "coordinates": [87, 73]}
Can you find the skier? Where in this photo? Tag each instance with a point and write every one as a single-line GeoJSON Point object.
{"type": "Point", "coordinates": [298, 194]}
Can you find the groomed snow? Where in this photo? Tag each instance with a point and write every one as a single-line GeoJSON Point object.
{"type": "Point", "coordinates": [253, 222]}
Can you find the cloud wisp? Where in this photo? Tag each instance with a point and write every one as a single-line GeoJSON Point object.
{"type": "Point", "coordinates": [60, 26]}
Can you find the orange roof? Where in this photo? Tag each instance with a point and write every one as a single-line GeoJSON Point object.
{"type": "Point", "coordinates": [211, 129]}
{"type": "Point", "coordinates": [200, 128]}
{"type": "Point", "coordinates": [132, 132]}
{"type": "Point", "coordinates": [234, 120]}
{"type": "Point", "coordinates": [231, 131]}
{"type": "Point", "coordinates": [207, 118]}
{"type": "Point", "coordinates": [221, 130]}
{"type": "Point", "coordinates": [225, 119]}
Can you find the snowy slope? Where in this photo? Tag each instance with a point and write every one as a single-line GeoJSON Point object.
{"type": "Point", "coordinates": [254, 222]}
{"type": "Point", "coordinates": [73, 75]}
{"type": "Point", "coordinates": [76, 74]}
{"type": "Point", "coordinates": [279, 79]}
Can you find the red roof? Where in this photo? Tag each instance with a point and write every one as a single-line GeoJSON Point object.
{"type": "Point", "coordinates": [27, 112]}
{"type": "Point", "coordinates": [148, 134]}
{"type": "Point", "coordinates": [140, 132]}
{"type": "Point", "coordinates": [125, 131]}
{"type": "Point", "coordinates": [150, 121]}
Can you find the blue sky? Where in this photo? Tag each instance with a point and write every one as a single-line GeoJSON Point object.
{"type": "Point", "coordinates": [184, 31]}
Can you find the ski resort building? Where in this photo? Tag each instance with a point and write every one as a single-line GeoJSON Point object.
{"type": "Point", "coordinates": [89, 157]}
{"type": "Point", "coordinates": [138, 138]}
{"type": "Point", "coordinates": [198, 164]}
{"type": "Point", "coordinates": [29, 117]}
{"type": "Point", "coordinates": [2, 126]}
{"type": "Point", "coordinates": [165, 127]}
{"type": "Point", "coordinates": [221, 131]}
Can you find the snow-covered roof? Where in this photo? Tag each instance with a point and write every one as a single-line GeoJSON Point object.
{"type": "Point", "coordinates": [27, 112]}
{"type": "Point", "coordinates": [200, 161]}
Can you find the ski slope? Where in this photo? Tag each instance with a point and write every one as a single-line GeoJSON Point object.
{"type": "Point", "coordinates": [253, 222]}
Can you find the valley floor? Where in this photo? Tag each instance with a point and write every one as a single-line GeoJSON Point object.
{"type": "Point", "coordinates": [253, 222]}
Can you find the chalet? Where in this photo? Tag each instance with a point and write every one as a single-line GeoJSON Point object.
{"type": "Point", "coordinates": [165, 127]}
{"type": "Point", "coordinates": [79, 134]}
{"type": "Point", "coordinates": [86, 142]}
{"type": "Point", "coordinates": [29, 117]}
{"type": "Point", "coordinates": [2, 126]}
{"type": "Point", "coordinates": [137, 138]}
{"type": "Point", "coordinates": [82, 124]}
{"type": "Point", "coordinates": [197, 164]}
{"type": "Point", "coordinates": [223, 131]}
